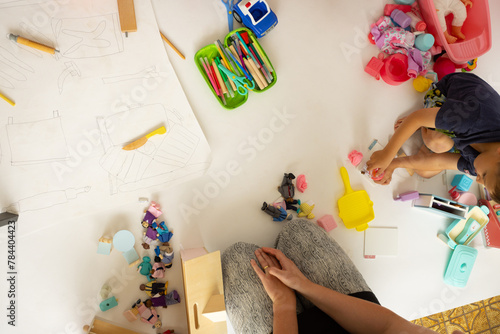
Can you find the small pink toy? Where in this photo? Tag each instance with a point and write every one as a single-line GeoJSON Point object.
{"type": "Point", "coordinates": [355, 157]}
{"type": "Point", "coordinates": [301, 183]}
{"type": "Point", "coordinates": [375, 65]}
{"type": "Point", "coordinates": [327, 223]}
{"type": "Point", "coordinates": [407, 196]}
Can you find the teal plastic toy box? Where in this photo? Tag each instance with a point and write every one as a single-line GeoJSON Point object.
{"type": "Point", "coordinates": [251, 53]}
{"type": "Point", "coordinates": [460, 266]}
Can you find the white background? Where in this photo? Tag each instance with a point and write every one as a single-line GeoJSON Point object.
{"type": "Point", "coordinates": [319, 49]}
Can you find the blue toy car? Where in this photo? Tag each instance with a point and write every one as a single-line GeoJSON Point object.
{"type": "Point", "coordinates": [255, 15]}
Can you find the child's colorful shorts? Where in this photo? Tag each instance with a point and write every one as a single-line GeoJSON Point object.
{"type": "Point", "coordinates": [434, 98]}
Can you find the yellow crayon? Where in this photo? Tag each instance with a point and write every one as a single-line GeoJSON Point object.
{"type": "Point", "coordinates": [8, 100]}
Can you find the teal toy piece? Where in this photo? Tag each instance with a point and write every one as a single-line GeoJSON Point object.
{"type": "Point", "coordinates": [145, 267]}
{"type": "Point", "coordinates": [471, 226]}
{"type": "Point", "coordinates": [108, 304]}
{"type": "Point", "coordinates": [477, 218]}
{"type": "Point", "coordinates": [462, 182]}
{"type": "Point", "coordinates": [124, 242]}
{"type": "Point", "coordinates": [240, 82]}
{"type": "Point", "coordinates": [460, 266]}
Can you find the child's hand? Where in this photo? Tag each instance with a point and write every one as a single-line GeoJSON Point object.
{"type": "Point", "coordinates": [387, 177]}
{"type": "Point", "coordinates": [379, 159]}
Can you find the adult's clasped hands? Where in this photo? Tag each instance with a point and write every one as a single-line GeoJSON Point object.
{"type": "Point", "coordinates": [279, 275]}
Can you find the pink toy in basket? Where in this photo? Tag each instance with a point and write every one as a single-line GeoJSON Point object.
{"type": "Point", "coordinates": [477, 30]}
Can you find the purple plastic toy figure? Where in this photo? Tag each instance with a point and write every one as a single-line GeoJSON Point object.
{"type": "Point", "coordinates": [149, 236]}
{"type": "Point", "coordinates": [164, 300]}
{"type": "Point", "coordinates": [152, 213]}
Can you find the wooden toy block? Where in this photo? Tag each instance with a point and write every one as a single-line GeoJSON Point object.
{"type": "Point", "coordinates": [104, 246]}
{"type": "Point", "coordinates": [126, 11]}
{"type": "Point", "coordinates": [327, 222]}
{"type": "Point", "coordinates": [7, 217]}
{"type": "Point", "coordinates": [101, 326]}
{"type": "Point", "coordinates": [202, 277]}
{"type": "Point", "coordinates": [215, 310]}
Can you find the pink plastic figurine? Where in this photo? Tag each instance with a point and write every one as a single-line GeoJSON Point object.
{"type": "Point", "coordinates": [152, 213]}
{"type": "Point", "coordinates": [147, 314]}
{"type": "Point", "coordinates": [301, 183]}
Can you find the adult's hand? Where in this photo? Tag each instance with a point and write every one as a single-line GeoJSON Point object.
{"type": "Point", "coordinates": [287, 272]}
{"type": "Point", "coordinates": [277, 290]}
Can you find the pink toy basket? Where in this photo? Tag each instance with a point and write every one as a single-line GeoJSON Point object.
{"type": "Point", "coordinates": [477, 30]}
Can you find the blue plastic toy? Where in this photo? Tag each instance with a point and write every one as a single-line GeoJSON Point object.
{"type": "Point", "coordinates": [255, 15]}
{"type": "Point", "coordinates": [471, 226]}
{"type": "Point", "coordinates": [108, 304]}
{"type": "Point", "coordinates": [462, 181]}
{"type": "Point", "coordinates": [460, 266]}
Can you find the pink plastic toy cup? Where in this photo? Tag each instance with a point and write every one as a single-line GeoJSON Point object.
{"type": "Point", "coordinates": [395, 69]}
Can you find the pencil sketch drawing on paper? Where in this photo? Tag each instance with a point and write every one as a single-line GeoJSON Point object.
{"type": "Point", "coordinates": [12, 69]}
{"type": "Point", "coordinates": [149, 72]}
{"type": "Point", "coordinates": [37, 142]}
{"type": "Point", "coordinates": [88, 37]}
{"type": "Point", "coordinates": [45, 200]}
{"type": "Point", "coordinates": [70, 70]}
{"type": "Point", "coordinates": [157, 161]}
{"type": "Point", "coordinates": [16, 3]}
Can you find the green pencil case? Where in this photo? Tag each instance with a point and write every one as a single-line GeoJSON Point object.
{"type": "Point", "coordinates": [211, 52]}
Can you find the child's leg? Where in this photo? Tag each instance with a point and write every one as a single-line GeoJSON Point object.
{"type": "Point", "coordinates": [320, 258]}
{"type": "Point", "coordinates": [426, 173]}
{"type": "Point", "coordinates": [436, 141]}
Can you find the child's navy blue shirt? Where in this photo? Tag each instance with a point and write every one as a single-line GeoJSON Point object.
{"type": "Point", "coordinates": [472, 112]}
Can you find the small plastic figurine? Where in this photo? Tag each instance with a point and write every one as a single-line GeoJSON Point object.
{"type": "Point", "coordinates": [277, 212]}
{"type": "Point", "coordinates": [164, 300]}
{"type": "Point", "coordinates": [164, 235]}
{"type": "Point", "coordinates": [149, 236]}
{"type": "Point", "coordinates": [287, 189]}
{"type": "Point", "coordinates": [306, 210]}
{"type": "Point", "coordinates": [152, 213]}
{"type": "Point", "coordinates": [147, 314]}
{"type": "Point", "coordinates": [158, 270]}
{"type": "Point", "coordinates": [166, 254]}
{"type": "Point", "coordinates": [145, 267]}
{"type": "Point", "coordinates": [154, 288]}
{"type": "Point", "coordinates": [459, 11]}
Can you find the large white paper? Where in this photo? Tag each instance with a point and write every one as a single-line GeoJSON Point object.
{"type": "Point", "coordinates": [75, 110]}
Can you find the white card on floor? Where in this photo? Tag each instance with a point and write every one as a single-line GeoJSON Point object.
{"type": "Point", "coordinates": [381, 241]}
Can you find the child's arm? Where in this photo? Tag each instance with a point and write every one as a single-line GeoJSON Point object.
{"type": "Point", "coordinates": [423, 117]}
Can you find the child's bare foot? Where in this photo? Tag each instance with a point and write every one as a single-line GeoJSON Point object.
{"type": "Point", "coordinates": [457, 32]}
{"type": "Point", "coordinates": [398, 123]}
{"type": "Point", "coordinates": [449, 38]}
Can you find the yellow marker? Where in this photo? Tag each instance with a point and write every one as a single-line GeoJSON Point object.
{"type": "Point", "coordinates": [8, 100]}
{"type": "Point", "coordinates": [31, 44]}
